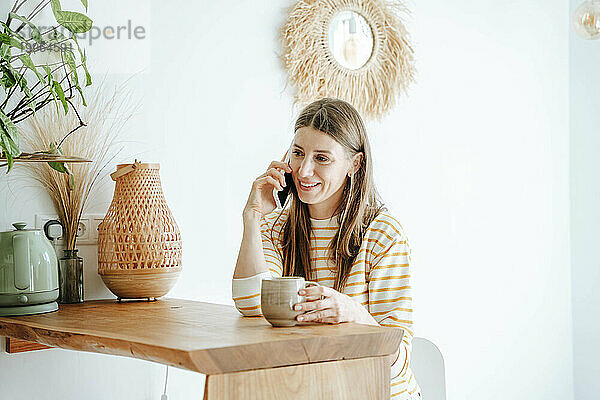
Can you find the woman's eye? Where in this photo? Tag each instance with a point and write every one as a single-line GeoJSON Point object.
{"type": "Point", "coordinates": [296, 153]}
{"type": "Point", "coordinates": [322, 159]}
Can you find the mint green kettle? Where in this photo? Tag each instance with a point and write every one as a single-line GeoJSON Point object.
{"type": "Point", "coordinates": [28, 272]}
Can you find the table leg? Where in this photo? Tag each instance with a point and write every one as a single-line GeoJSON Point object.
{"type": "Point", "coordinates": [363, 378]}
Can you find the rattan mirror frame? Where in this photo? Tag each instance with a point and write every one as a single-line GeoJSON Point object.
{"type": "Point", "coordinates": [314, 72]}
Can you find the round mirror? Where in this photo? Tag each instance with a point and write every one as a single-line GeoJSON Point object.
{"type": "Point", "coordinates": [350, 39]}
{"type": "Point", "coordinates": [355, 50]}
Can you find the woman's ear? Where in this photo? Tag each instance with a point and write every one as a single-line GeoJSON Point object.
{"type": "Point", "coordinates": [356, 163]}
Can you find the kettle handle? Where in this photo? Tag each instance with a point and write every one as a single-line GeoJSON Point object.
{"type": "Point", "coordinates": [21, 253]}
{"type": "Point", "coordinates": [47, 226]}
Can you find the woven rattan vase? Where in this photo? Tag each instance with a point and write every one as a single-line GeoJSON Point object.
{"type": "Point", "coordinates": [139, 244]}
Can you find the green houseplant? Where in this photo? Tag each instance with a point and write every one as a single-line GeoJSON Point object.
{"type": "Point", "coordinates": [29, 85]}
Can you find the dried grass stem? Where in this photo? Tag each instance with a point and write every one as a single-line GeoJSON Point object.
{"type": "Point", "coordinates": [105, 117]}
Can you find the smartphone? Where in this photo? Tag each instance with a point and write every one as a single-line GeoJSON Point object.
{"type": "Point", "coordinates": [283, 194]}
{"type": "Point", "coordinates": [289, 181]}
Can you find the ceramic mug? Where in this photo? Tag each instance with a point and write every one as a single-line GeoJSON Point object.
{"type": "Point", "coordinates": [278, 296]}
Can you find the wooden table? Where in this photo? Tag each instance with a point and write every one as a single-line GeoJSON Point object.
{"type": "Point", "coordinates": [243, 358]}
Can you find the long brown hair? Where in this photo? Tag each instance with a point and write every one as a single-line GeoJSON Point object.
{"type": "Point", "coordinates": [359, 205]}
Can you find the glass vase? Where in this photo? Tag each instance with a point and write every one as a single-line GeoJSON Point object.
{"type": "Point", "coordinates": [70, 278]}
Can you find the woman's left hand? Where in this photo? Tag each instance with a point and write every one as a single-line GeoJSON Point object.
{"type": "Point", "coordinates": [326, 305]}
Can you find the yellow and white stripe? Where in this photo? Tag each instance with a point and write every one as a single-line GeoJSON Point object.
{"type": "Point", "coordinates": [379, 280]}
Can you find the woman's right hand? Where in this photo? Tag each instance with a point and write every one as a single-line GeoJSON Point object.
{"type": "Point", "coordinates": [261, 200]}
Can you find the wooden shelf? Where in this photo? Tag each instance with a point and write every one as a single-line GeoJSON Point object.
{"type": "Point", "coordinates": [35, 157]}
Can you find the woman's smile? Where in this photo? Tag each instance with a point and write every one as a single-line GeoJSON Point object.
{"type": "Point", "coordinates": [308, 186]}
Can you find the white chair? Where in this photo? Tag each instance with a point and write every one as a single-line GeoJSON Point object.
{"type": "Point", "coordinates": [427, 364]}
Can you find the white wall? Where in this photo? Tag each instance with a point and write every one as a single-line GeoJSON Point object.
{"type": "Point", "coordinates": [482, 185]}
{"type": "Point", "coordinates": [585, 212]}
{"type": "Point", "coordinates": [474, 163]}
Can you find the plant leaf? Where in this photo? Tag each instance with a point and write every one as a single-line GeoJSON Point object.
{"type": "Point", "coordinates": [26, 60]}
{"type": "Point", "coordinates": [13, 34]}
{"type": "Point", "coordinates": [29, 98]}
{"type": "Point", "coordinates": [9, 159]}
{"type": "Point", "coordinates": [32, 105]}
{"type": "Point", "coordinates": [50, 79]}
{"type": "Point", "coordinates": [69, 58]}
{"type": "Point", "coordinates": [81, 94]}
{"type": "Point", "coordinates": [58, 90]}
{"type": "Point", "coordinates": [25, 89]}
{"type": "Point", "coordinates": [20, 80]}
{"type": "Point", "coordinates": [8, 79]}
{"type": "Point", "coordinates": [88, 78]}
{"type": "Point", "coordinates": [64, 169]}
{"type": "Point", "coordinates": [10, 135]}
{"type": "Point", "coordinates": [5, 52]}
{"type": "Point", "coordinates": [10, 146]}
{"type": "Point", "coordinates": [54, 149]}
{"type": "Point", "coordinates": [11, 41]}
{"type": "Point", "coordinates": [23, 84]}
{"type": "Point", "coordinates": [74, 21]}
{"type": "Point", "coordinates": [55, 7]}
{"type": "Point", "coordinates": [35, 32]}
{"type": "Point", "coordinates": [56, 36]}
{"type": "Point", "coordinates": [58, 166]}
{"type": "Point", "coordinates": [48, 72]}
{"type": "Point", "coordinates": [85, 4]}
{"type": "Point", "coordinates": [5, 145]}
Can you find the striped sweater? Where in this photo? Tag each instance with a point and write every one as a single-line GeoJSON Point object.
{"type": "Point", "coordinates": [379, 280]}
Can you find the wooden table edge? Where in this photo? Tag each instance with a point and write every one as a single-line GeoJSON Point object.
{"type": "Point", "coordinates": [208, 360]}
{"type": "Point", "coordinates": [185, 359]}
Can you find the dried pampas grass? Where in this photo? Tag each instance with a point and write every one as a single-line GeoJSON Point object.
{"type": "Point", "coordinates": [315, 73]}
{"type": "Point", "coordinates": [105, 117]}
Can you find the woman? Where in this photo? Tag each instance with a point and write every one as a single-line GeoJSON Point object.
{"type": "Point", "coordinates": [332, 230]}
